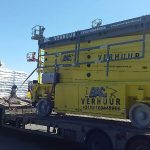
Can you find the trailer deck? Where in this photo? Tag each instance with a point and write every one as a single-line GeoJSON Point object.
{"type": "Point", "coordinates": [75, 128]}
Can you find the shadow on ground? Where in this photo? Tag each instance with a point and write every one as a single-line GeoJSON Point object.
{"type": "Point", "coordinates": [15, 140]}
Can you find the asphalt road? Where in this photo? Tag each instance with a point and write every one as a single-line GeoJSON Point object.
{"type": "Point", "coordinates": [16, 140]}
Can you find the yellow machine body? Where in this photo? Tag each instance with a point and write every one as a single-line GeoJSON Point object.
{"type": "Point", "coordinates": [100, 88]}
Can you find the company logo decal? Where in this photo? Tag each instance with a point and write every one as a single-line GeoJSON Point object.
{"type": "Point", "coordinates": [101, 98]}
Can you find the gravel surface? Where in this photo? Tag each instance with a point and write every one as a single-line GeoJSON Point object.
{"type": "Point", "coordinates": [16, 140]}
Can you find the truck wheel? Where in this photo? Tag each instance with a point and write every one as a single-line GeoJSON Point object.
{"type": "Point", "coordinates": [98, 141]}
{"type": "Point", "coordinates": [139, 115]}
{"type": "Point", "coordinates": [44, 108]}
{"type": "Point", "coordinates": [139, 144]}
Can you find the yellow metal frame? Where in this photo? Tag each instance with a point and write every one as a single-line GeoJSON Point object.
{"type": "Point", "coordinates": [127, 83]}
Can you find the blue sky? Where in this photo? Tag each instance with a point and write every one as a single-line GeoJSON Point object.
{"type": "Point", "coordinates": [17, 17]}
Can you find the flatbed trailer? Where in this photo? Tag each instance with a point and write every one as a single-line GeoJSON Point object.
{"type": "Point", "coordinates": [95, 133]}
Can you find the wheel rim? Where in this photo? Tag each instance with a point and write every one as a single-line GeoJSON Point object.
{"type": "Point", "coordinates": [140, 115]}
{"type": "Point", "coordinates": [43, 107]}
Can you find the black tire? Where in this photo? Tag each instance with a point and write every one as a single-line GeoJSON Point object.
{"type": "Point", "coordinates": [44, 108]}
{"type": "Point", "coordinates": [139, 115]}
{"type": "Point", "coordinates": [98, 141]}
{"type": "Point", "coordinates": [139, 144]}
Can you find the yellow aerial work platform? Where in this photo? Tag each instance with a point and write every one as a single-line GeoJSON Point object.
{"type": "Point", "coordinates": [101, 71]}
